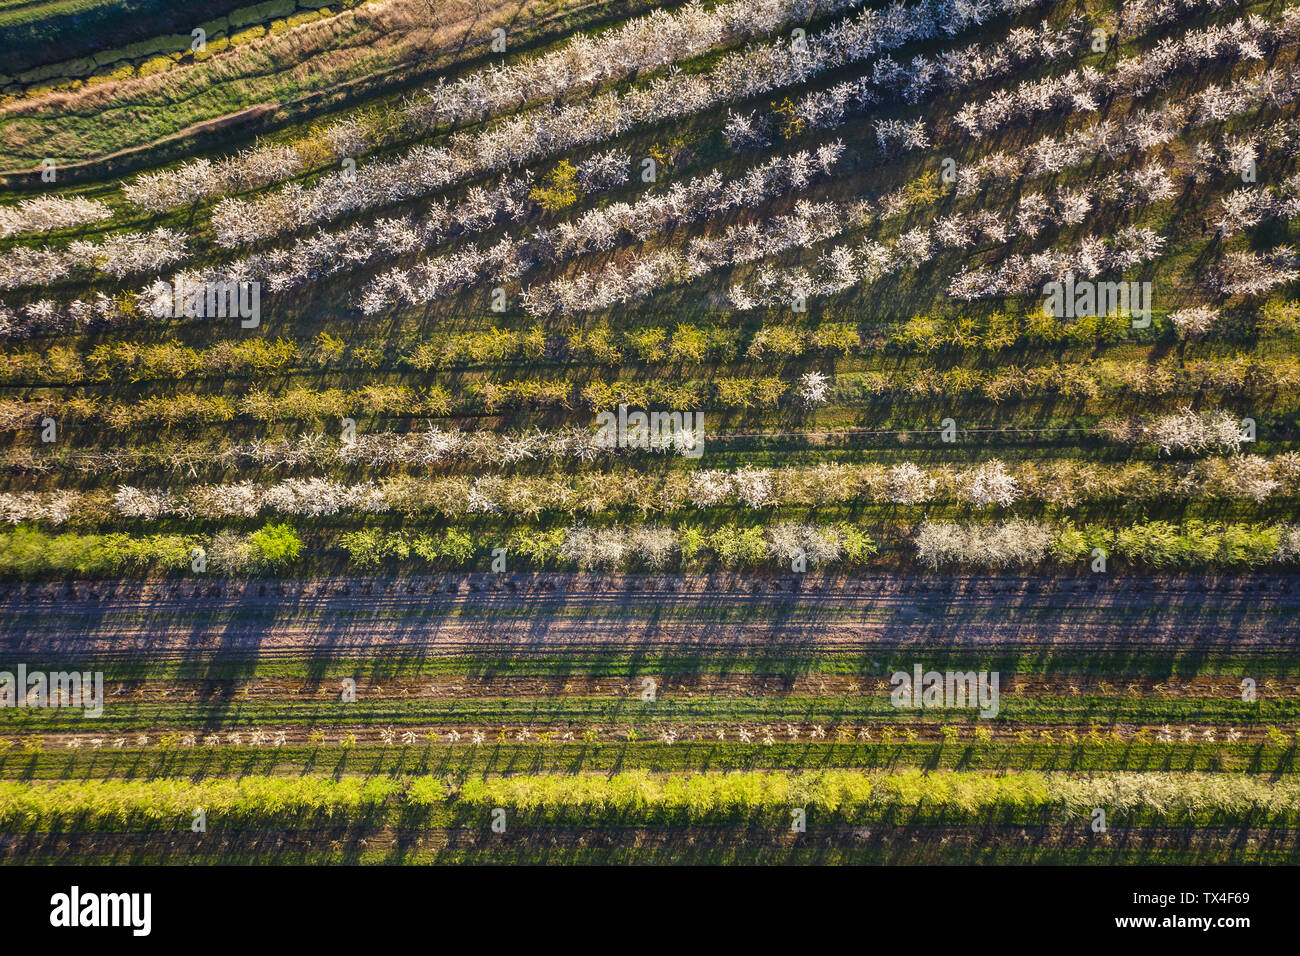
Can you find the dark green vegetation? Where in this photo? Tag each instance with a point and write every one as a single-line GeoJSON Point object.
{"type": "Point", "coordinates": [36, 32]}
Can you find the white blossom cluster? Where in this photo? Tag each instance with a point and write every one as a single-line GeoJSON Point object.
{"type": "Point", "coordinates": [925, 76]}
{"type": "Point", "coordinates": [23, 266]}
{"type": "Point", "coordinates": [839, 268]}
{"type": "Point", "coordinates": [1139, 16]}
{"type": "Point", "coordinates": [1014, 543]}
{"type": "Point", "coordinates": [436, 448]}
{"type": "Point", "coordinates": [329, 253]}
{"type": "Point", "coordinates": [900, 136]}
{"type": "Point", "coordinates": [1194, 322]}
{"type": "Point", "coordinates": [1270, 87]}
{"type": "Point", "coordinates": [844, 266]}
{"type": "Point", "coordinates": [949, 72]}
{"type": "Point", "coordinates": [814, 388]}
{"type": "Point", "coordinates": [46, 316]}
{"type": "Point", "coordinates": [600, 229]}
{"type": "Point", "coordinates": [1230, 156]}
{"type": "Point", "coordinates": [611, 547]}
{"type": "Point", "coordinates": [47, 213]}
{"type": "Point", "coordinates": [54, 507]}
{"type": "Point", "coordinates": [1249, 476]}
{"type": "Point", "coordinates": [747, 130]}
{"type": "Point", "coordinates": [1021, 275]}
{"type": "Point", "coordinates": [991, 484]}
{"type": "Point", "coordinates": [1184, 430]}
{"type": "Point", "coordinates": [601, 172]}
{"type": "Point", "coordinates": [704, 197]}
{"type": "Point", "coordinates": [432, 279]}
{"type": "Point", "coordinates": [983, 485]}
{"type": "Point", "coordinates": [308, 497]}
{"type": "Point", "coordinates": [531, 136]}
{"type": "Point", "coordinates": [431, 449]}
{"type": "Point", "coordinates": [1147, 129]}
{"type": "Point", "coordinates": [118, 255]}
{"type": "Point", "coordinates": [252, 168]}
{"type": "Point", "coordinates": [1234, 156]}
{"type": "Point", "coordinates": [752, 487]}
{"type": "Point", "coordinates": [654, 546]}
{"type": "Point", "coordinates": [479, 210]}
{"type": "Point", "coordinates": [1085, 89]}
{"type": "Point", "coordinates": [1247, 207]}
{"type": "Point", "coordinates": [1254, 273]}
{"type": "Point", "coordinates": [640, 45]}
{"type": "Point", "coordinates": [986, 484]}
{"type": "Point", "coordinates": [909, 484]}
{"type": "Point", "coordinates": [642, 275]}
{"type": "Point", "coordinates": [791, 540]}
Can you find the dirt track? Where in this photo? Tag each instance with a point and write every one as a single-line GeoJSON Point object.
{"type": "Point", "coordinates": [545, 614]}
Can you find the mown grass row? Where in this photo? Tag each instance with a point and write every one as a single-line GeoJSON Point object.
{"type": "Point", "coordinates": [464, 760]}
{"type": "Point", "coordinates": [762, 661]}
{"type": "Point", "coordinates": [698, 714]}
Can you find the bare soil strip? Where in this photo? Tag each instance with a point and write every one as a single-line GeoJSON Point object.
{"type": "Point", "coordinates": [545, 614]}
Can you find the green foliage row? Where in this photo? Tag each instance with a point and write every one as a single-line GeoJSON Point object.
{"type": "Point", "coordinates": [1074, 720]}
{"type": "Point", "coordinates": [1163, 544]}
{"type": "Point", "coordinates": [691, 547]}
{"type": "Point", "coordinates": [1244, 373]}
{"type": "Point", "coordinates": [27, 552]}
{"type": "Point", "coordinates": [686, 343]}
{"type": "Point", "coordinates": [716, 797]}
{"type": "Point", "coordinates": [642, 797]}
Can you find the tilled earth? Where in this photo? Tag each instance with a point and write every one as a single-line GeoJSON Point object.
{"type": "Point", "coordinates": [543, 614]}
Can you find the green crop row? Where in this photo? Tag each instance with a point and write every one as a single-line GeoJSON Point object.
{"type": "Point", "coordinates": [643, 798]}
